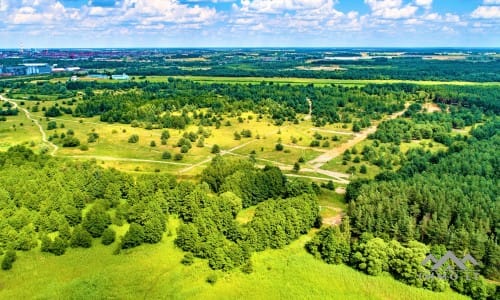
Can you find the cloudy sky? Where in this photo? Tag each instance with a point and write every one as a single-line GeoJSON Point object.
{"type": "Point", "coordinates": [246, 23]}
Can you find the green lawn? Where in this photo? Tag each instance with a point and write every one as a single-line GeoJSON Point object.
{"type": "Point", "coordinates": [155, 272]}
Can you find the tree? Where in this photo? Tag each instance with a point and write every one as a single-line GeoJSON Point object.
{"type": "Point", "coordinates": [215, 149]}
{"type": "Point", "coordinates": [279, 147]}
{"type": "Point", "coordinates": [153, 230]}
{"type": "Point", "coordinates": [96, 221]}
{"type": "Point", "coordinates": [363, 169]}
{"type": "Point", "coordinates": [58, 246]}
{"type": "Point", "coordinates": [166, 155]}
{"type": "Point", "coordinates": [152, 144]}
{"type": "Point", "coordinates": [296, 167]}
{"type": "Point", "coordinates": [134, 138]}
{"type": "Point", "coordinates": [51, 125]}
{"type": "Point", "coordinates": [8, 259]}
{"type": "Point", "coordinates": [108, 236]}
{"type": "Point", "coordinates": [134, 236]}
{"type": "Point", "coordinates": [80, 238]}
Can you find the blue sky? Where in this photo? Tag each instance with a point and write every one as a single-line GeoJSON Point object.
{"type": "Point", "coordinates": [249, 23]}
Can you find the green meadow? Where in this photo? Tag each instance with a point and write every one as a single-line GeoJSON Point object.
{"type": "Point", "coordinates": [155, 272]}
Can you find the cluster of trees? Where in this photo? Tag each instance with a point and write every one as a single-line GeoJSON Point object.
{"type": "Point", "coordinates": [148, 102]}
{"type": "Point", "coordinates": [403, 260]}
{"type": "Point", "coordinates": [59, 204]}
{"type": "Point", "coordinates": [444, 199]}
{"type": "Point", "coordinates": [210, 229]}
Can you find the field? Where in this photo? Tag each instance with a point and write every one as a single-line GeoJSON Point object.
{"type": "Point", "coordinates": [155, 272]}
{"type": "Point", "coordinates": [113, 149]}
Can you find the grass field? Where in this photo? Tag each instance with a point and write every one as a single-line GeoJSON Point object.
{"type": "Point", "coordinates": [155, 272]}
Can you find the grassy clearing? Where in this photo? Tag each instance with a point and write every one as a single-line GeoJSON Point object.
{"type": "Point", "coordinates": [155, 272]}
{"type": "Point", "coordinates": [19, 130]}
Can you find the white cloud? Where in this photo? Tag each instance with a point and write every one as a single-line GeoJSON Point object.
{"type": "Point", "coordinates": [489, 2]}
{"type": "Point", "coordinates": [424, 3]}
{"type": "Point", "coordinates": [486, 12]}
{"type": "Point", "coordinates": [391, 9]}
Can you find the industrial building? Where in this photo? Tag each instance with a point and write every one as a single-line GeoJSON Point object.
{"type": "Point", "coordinates": [39, 68]}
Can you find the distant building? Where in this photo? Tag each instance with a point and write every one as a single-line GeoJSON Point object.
{"type": "Point", "coordinates": [120, 77]}
{"type": "Point", "coordinates": [16, 70]}
{"type": "Point", "coordinates": [74, 78]}
{"type": "Point", "coordinates": [32, 69]}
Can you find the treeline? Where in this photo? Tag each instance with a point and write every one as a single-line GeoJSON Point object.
{"type": "Point", "coordinates": [447, 200]}
{"type": "Point", "coordinates": [402, 260]}
{"type": "Point", "coordinates": [148, 102]}
{"type": "Point", "coordinates": [380, 68]}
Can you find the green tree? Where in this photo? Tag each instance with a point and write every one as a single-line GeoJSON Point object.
{"type": "Point", "coordinates": [8, 259]}
{"type": "Point", "coordinates": [108, 236]}
{"type": "Point", "coordinates": [133, 237]}
{"type": "Point", "coordinates": [80, 238]}
{"type": "Point", "coordinates": [134, 138]}
{"type": "Point", "coordinates": [96, 221]}
{"type": "Point", "coordinates": [215, 149]}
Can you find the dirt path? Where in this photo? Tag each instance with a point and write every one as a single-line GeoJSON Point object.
{"type": "Point", "coordinates": [112, 158]}
{"type": "Point", "coordinates": [319, 161]}
{"type": "Point", "coordinates": [28, 115]}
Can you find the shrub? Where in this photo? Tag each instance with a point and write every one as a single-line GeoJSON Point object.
{"type": "Point", "coordinates": [212, 279]}
{"type": "Point", "coordinates": [188, 259]}
{"type": "Point", "coordinates": [8, 259]}
{"type": "Point", "coordinates": [279, 147]}
{"type": "Point", "coordinates": [166, 155]}
{"type": "Point", "coordinates": [108, 236]}
{"type": "Point", "coordinates": [134, 236]}
{"type": "Point", "coordinates": [215, 149]}
{"type": "Point", "coordinates": [134, 138]}
{"type": "Point", "coordinates": [71, 141]}
{"type": "Point", "coordinates": [80, 238]}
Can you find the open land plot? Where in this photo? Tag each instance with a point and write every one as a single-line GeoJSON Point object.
{"type": "Point", "coordinates": [19, 130]}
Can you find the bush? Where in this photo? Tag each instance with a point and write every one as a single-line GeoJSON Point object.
{"type": "Point", "coordinates": [212, 279]}
{"type": "Point", "coordinates": [80, 238]}
{"type": "Point", "coordinates": [215, 149]}
{"type": "Point", "coordinates": [51, 125]}
{"type": "Point", "coordinates": [188, 259]}
{"type": "Point", "coordinates": [58, 246]}
{"type": "Point", "coordinates": [108, 236]}
{"type": "Point", "coordinates": [134, 236]}
{"type": "Point", "coordinates": [8, 259]}
{"type": "Point", "coordinates": [84, 147]}
{"type": "Point", "coordinates": [178, 156]}
{"type": "Point", "coordinates": [166, 155]}
{"type": "Point", "coordinates": [152, 144]}
{"type": "Point", "coordinates": [279, 147]}
{"type": "Point", "coordinates": [71, 141]}
{"type": "Point", "coordinates": [134, 138]}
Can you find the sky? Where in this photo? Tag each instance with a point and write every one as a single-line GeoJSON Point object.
{"type": "Point", "coordinates": [249, 23]}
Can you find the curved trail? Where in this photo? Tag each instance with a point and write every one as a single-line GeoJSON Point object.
{"type": "Point", "coordinates": [28, 115]}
